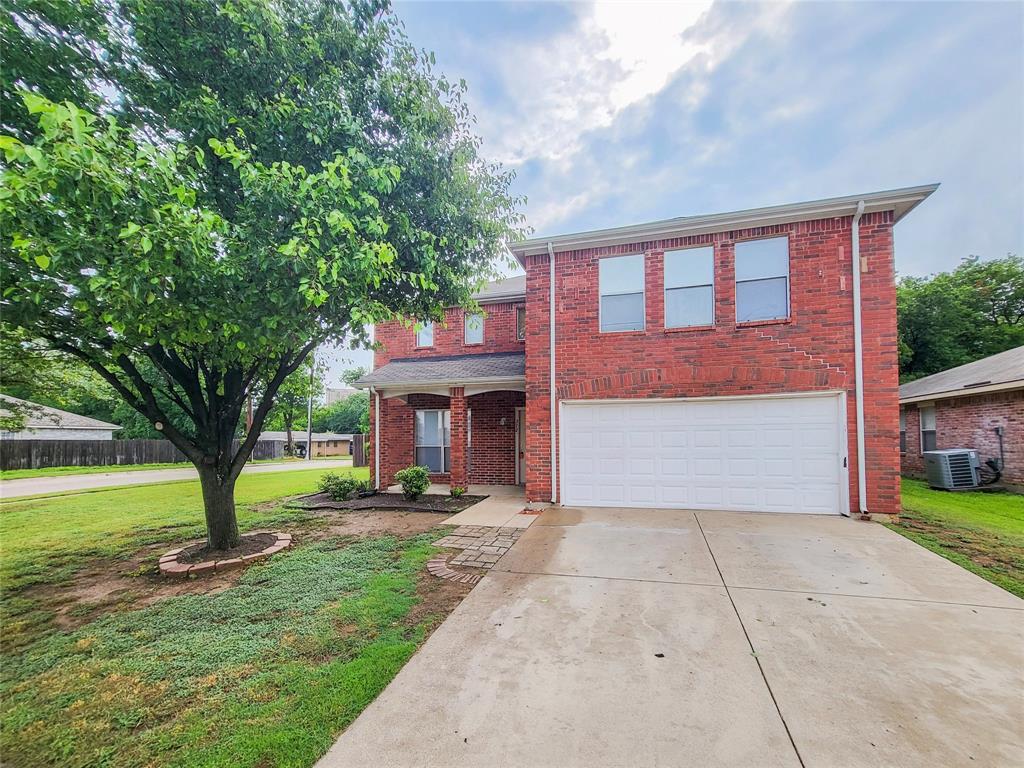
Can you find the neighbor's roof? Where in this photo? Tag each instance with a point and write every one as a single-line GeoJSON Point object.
{"type": "Point", "coordinates": [990, 374]}
{"type": "Point", "coordinates": [300, 434]}
{"type": "Point", "coordinates": [456, 369]}
{"type": "Point", "coordinates": [43, 417]}
{"type": "Point", "coordinates": [501, 290]}
{"type": "Point", "coordinates": [902, 201]}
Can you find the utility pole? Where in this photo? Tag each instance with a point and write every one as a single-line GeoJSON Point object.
{"type": "Point", "coordinates": [309, 408]}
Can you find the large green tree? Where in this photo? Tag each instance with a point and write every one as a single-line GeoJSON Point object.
{"type": "Point", "coordinates": [956, 317]}
{"type": "Point", "coordinates": [346, 416]}
{"type": "Point", "coordinates": [264, 176]}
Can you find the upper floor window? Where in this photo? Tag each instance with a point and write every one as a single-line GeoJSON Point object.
{"type": "Point", "coordinates": [762, 279]}
{"type": "Point", "coordinates": [927, 414]}
{"type": "Point", "coordinates": [474, 328]}
{"type": "Point", "coordinates": [425, 334]}
{"type": "Point", "coordinates": [621, 280]}
{"type": "Point", "coordinates": [690, 287]}
{"type": "Point", "coordinates": [520, 323]}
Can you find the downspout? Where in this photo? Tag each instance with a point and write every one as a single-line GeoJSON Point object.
{"type": "Point", "coordinates": [376, 438]}
{"type": "Point", "coordinates": [551, 371]}
{"type": "Point", "coordinates": [858, 366]}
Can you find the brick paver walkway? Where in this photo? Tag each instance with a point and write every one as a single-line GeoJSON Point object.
{"type": "Point", "coordinates": [481, 546]}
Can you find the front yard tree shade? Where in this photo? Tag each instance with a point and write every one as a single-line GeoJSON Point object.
{"type": "Point", "coordinates": [253, 179]}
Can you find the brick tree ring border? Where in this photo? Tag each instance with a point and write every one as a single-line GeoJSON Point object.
{"type": "Point", "coordinates": [169, 565]}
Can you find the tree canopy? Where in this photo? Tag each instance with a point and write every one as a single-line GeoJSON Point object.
{"type": "Point", "coordinates": [252, 178]}
{"type": "Point", "coordinates": [957, 317]}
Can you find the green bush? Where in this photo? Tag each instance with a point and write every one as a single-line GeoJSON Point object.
{"type": "Point", "coordinates": [340, 487]}
{"type": "Point", "coordinates": [456, 491]}
{"type": "Point", "coordinates": [414, 481]}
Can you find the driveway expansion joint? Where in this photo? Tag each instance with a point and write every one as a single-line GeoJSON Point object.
{"type": "Point", "coordinates": [750, 642]}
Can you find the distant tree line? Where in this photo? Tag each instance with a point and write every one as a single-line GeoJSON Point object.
{"type": "Point", "coordinates": [957, 317]}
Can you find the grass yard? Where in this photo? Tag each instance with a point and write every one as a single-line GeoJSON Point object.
{"type": "Point", "coordinates": [983, 532]}
{"type": "Point", "coordinates": [105, 663]}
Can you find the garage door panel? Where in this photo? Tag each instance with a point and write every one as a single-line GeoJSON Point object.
{"type": "Point", "coordinates": [770, 454]}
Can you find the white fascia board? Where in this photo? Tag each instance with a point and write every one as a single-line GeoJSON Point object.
{"type": "Point", "coordinates": [902, 201]}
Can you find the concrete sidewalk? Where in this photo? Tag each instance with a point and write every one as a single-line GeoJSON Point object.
{"type": "Point", "coordinates": [31, 486]}
{"type": "Point", "coordinates": [610, 637]}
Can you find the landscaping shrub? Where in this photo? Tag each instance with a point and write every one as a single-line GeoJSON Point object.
{"type": "Point", "coordinates": [414, 481]}
{"type": "Point", "coordinates": [339, 487]}
{"type": "Point", "coordinates": [456, 491]}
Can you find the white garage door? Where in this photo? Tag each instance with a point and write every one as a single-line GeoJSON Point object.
{"type": "Point", "coordinates": [770, 454]}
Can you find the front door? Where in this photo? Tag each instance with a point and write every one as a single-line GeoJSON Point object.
{"type": "Point", "coordinates": [520, 446]}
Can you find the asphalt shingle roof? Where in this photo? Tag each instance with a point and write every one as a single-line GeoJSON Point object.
{"type": "Point", "coordinates": [506, 288]}
{"type": "Point", "coordinates": [43, 417]}
{"type": "Point", "coordinates": [454, 369]}
{"type": "Point", "coordinates": [1001, 369]}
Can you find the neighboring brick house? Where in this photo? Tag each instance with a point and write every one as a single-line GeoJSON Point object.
{"type": "Point", "coordinates": [705, 362]}
{"type": "Point", "coordinates": [979, 405]}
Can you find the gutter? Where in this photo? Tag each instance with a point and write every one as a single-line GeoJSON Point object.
{"type": "Point", "coordinates": [441, 382]}
{"type": "Point", "coordinates": [900, 201]}
{"type": "Point", "coordinates": [947, 394]}
{"type": "Point", "coordinates": [551, 371]}
{"type": "Point", "coordinates": [858, 364]}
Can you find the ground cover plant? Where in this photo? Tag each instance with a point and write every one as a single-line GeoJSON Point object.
{"type": "Point", "coordinates": [263, 667]}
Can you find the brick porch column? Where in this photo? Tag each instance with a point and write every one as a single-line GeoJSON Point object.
{"type": "Point", "coordinates": [459, 437]}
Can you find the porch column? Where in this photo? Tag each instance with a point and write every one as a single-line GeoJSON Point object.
{"type": "Point", "coordinates": [459, 437]}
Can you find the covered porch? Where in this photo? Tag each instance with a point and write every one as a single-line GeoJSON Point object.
{"type": "Point", "coordinates": [462, 417]}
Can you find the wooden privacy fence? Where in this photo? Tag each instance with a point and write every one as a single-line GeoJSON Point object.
{"type": "Point", "coordinates": [360, 449]}
{"type": "Point", "coordinates": [35, 454]}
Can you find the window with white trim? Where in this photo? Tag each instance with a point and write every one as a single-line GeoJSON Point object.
{"type": "Point", "coordinates": [425, 334]}
{"type": "Point", "coordinates": [521, 323]}
{"type": "Point", "coordinates": [433, 440]}
{"type": "Point", "coordinates": [621, 283]}
{"type": "Point", "coordinates": [690, 287]}
{"type": "Point", "coordinates": [474, 332]}
{"type": "Point", "coordinates": [762, 279]}
{"type": "Point", "coordinates": [903, 431]}
{"type": "Point", "coordinates": [927, 415]}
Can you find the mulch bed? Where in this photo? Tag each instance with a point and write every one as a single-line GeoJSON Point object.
{"type": "Point", "coordinates": [425, 503]}
{"type": "Point", "coordinates": [249, 544]}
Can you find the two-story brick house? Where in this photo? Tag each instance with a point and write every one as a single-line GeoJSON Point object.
{"type": "Point", "coordinates": [705, 362]}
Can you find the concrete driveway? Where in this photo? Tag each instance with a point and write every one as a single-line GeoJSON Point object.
{"type": "Point", "coordinates": [610, 637]}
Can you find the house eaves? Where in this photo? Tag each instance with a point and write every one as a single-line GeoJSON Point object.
{"type": "Point", "coordinates": [901, 201]}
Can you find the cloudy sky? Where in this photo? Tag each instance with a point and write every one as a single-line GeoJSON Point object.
{"type": "Point", "coordinates": [623, 112]}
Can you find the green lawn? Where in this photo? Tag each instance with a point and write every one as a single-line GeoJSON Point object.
{"type": "Point", "coordinates": [983, 532]}
{"type": "Point", "coordinates": [263, 673]}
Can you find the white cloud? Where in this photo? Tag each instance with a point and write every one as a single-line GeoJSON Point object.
{"type": "Point", "coordinates": [581, 79]}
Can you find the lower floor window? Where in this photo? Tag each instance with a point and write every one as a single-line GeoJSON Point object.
{"type": "Point", "coordinates": [433, 440]}
{"type": "Point", "coordinates": [927, 414]}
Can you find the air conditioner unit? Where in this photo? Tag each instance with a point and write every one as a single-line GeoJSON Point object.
{"type": "Point", "coordinates": [952, 469]}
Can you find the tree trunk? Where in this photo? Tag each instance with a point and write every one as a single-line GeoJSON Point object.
{"type": "Point", "coordinates": [289, 448]}
{"type": "Point", "coordinates": [219, 504]}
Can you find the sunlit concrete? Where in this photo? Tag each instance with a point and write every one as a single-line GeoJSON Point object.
{"type": "Point", "coordinates": [862, 647]}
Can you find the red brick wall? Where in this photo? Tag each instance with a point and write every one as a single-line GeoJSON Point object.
{"type": "Point", "coordinates": [969, 422]}
{"type": "Point", "coordinates": [397, 341]}
{"type": "Point", "coordinates": [493, 444]}
{"type": "Point", "coordinates": [811, 351]}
